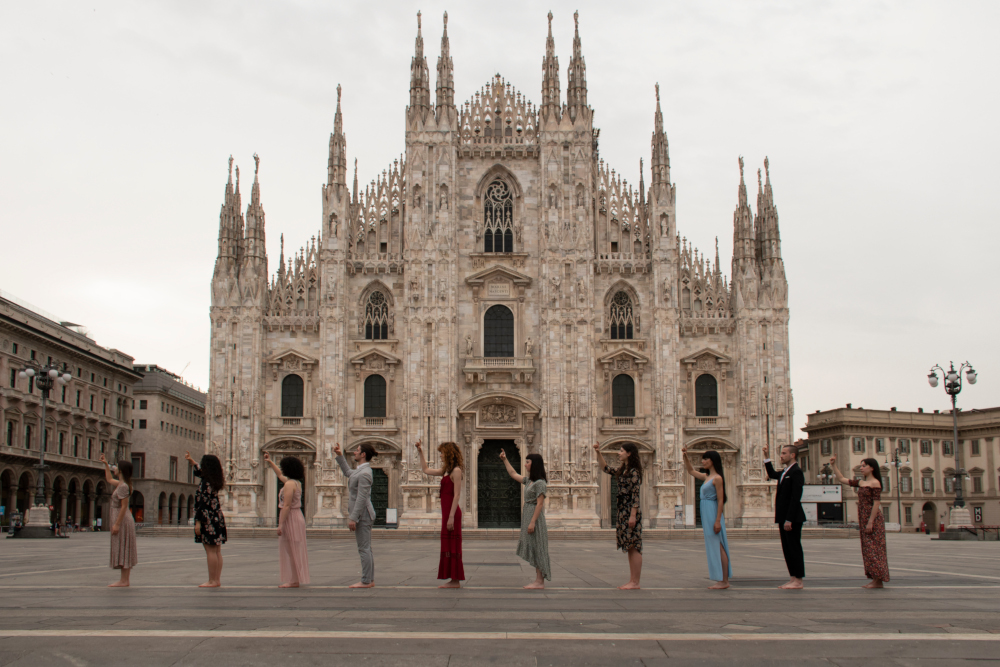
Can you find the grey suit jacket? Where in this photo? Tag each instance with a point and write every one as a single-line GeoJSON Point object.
{"type": "Point", "coordinates": [359, 484]}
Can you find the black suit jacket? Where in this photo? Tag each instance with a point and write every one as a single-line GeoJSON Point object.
{"type": "Point", "coordinates": [788, 501]}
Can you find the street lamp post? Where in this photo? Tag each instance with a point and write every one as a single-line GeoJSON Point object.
{"type": "Point", "coordinates": [895, 462]}
{"type": "Point", "coordinates": [45, 377]}
{"type": "Point", "coordinates": [960, 517]}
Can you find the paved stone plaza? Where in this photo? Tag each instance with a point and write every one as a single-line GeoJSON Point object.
{"type": "Point", "coordinates": [941, 607]}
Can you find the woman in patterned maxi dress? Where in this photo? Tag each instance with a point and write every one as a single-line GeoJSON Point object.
{"type": "Point", "coordinates": [870, 520]}
{"type": "Point", "coordinates": [628, 522]}
{"type": "Point", "coordinates": [450, 565]}
{"type": "Point", "coordinates": [534, 543]}
{"type": "Point", "coordinates": [124, 555]}
{"type": "Point", "coordinates": [209, 521]}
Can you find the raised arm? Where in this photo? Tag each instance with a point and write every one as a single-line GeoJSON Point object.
{"type": "Point", "coordinates": [600, 457]}
{"type": "Point", "coordinates": [510, 469]}
{"type": "Point", "coordinates": [341, 461]}
{"type": "Point", "coordinates": [110, 478]}
{"type": "Point", "coordinates": [690, 468]}
{"type": "Point", "coordinates": [768, 468]}
{"type": "Point", "coordinates": [437, 472]}
{"type": "Point", "coordinates": [836, 471]}
{"type": "Point", "coordinates": [275, 468]}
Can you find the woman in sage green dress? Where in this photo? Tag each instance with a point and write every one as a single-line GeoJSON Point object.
{"type": "Point", "coordinates": [534, 543]}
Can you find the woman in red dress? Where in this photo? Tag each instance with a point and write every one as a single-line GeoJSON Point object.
{"type": "Point", "coordinates": [450, 565]}
{"type": "Point", "coordinates": [870, 520]}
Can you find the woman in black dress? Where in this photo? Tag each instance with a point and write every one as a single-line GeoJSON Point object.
{"type": "Point", "coordinates": [628, 522]}
{"type": "Point", "coordinates": [209, 522]}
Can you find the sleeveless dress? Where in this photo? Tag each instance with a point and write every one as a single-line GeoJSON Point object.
{"type": "Point", "coordinates": [534, 547]}
{"type": "Point", "coordinates": [709, 510]}
{"type": "Point", "coordinates": [124, 555]}
{"type": "Point", "coordinates": [873, 549]}
{"type": "Point", "coordinates": [292, 555]}
{"type": "Point", "coordinates": [208, 512]}
{"type": "Point", "coordinates": [450, 565]}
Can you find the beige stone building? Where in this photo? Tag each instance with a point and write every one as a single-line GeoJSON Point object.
{"type": "Point", "coordinates": [89, 415]}
{"type": "Point", "coordinates": [169, 421]}
{"type": "Point", "coordinates": [502, 287]}
{"type": "Point", "coordinates": [926, 443]}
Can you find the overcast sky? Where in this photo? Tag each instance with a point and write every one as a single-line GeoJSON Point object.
{"type": "Point", "coordinates": [880, 121]}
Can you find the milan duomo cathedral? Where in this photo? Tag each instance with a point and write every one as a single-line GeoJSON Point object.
{"type": "Point", "coordinates": [500, 287]}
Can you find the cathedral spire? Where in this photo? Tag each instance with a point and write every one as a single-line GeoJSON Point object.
{"type": "Point", "coordinates": [255, 253]}
{"type": "Point", "coordinates": [336, 170]}
{"type": "Point", "coordinates": [660, 162]}
{"type": "Point", "coordinates": [230, 224]}
{"type": "Point", "coordinates": [576, 87]}
{"type": "Point", "coordinates": [445, 97]}
{"type": "Point", "coordinates": [744, 249]}
{"type": "Point", "coordinates": [768, 234]}
{"type": "Point", "coordinates": [420, 93]}
{"type": "Point", "coordinates": [551, 104]}
{"type": "Point", "coordinates": [354, 192]}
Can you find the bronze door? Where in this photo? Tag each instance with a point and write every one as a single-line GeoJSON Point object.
{"type": "Point", "coordinates": [499, 496]}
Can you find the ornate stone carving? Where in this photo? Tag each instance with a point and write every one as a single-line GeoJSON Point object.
{"type": "Point", "coordinates": [498, 414]}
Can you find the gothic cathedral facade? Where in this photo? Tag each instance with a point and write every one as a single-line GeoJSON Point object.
{"type": "Point", "coordinates": [500, 287]}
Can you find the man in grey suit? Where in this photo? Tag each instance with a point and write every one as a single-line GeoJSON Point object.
{"type": "Point", "coordinates": [361, 512]}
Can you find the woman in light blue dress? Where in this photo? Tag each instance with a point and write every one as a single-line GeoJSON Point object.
{"type": "Point", "coordinates": [716, 546]}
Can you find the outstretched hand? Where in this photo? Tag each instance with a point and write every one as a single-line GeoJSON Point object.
{"type": "Point", "coordinates": [419, 447]}
{"type": "Point", "coordinates": [833, 460]}
{"type": "Point", "coordinates": [187, 456]}
{"type": "Point", "coordinates": [596, 446]}
{"type": "Point", "coordinates": [336, 449]}
{"type": "Point", "coordinates": [267, 458]}
{"type": "Point", "coordinates": [503, 455]}
{"type": "Point", "coordinates": [103, 460]}
{"type": "Point", "coordinates": [765, 450]}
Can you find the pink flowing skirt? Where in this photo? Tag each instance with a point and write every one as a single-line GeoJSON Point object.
{"type": "Point", "coordinates": [292, 554]}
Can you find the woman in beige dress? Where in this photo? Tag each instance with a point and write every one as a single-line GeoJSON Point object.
{"type": "Point", "coordinates": [124, 555]}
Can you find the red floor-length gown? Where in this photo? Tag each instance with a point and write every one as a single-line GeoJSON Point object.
{"type": "Point", "coordinates": [450, 565]}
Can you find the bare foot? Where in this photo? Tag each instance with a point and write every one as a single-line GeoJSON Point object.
{"type": "Point", "coordinates": [873, 584]}
{"type": "Point", "coordinates": [535, 586]}
{"type": "Point", "coordinates": [451, 584]}
{"type": "Point", "coordinates": [288, 586]}
{"type": "Point", "coordinates": [362, 584]}
{"type": "Point", "coordinates": [630, 586]}
{"type": "Point", "coordinates": [118, 584]}
{"type": "Point", "coordinates": [791, 585]}
{"type": "Point", "coordinates": [209, 584]}
{"type": "Point", "coordinates": [721, 586]}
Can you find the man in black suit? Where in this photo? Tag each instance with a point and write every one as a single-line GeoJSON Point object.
{"type": "Point", "coordinates": [788, 512]}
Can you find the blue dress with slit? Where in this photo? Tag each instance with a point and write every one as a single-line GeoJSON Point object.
{"type": "Point", "coordinates": [709, 510]}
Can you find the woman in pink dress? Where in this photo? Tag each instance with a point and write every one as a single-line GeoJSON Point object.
{"type": "Point", "coordinates": [450, 565]}
{"type": "Point", "coordinates": [292, 555]}
{"type": "Point", "coordinates": [124, 555]}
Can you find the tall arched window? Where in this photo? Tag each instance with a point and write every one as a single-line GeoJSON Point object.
{"type": "Point", "coordinates": [622, 319]}
{"type": "Point", "coordinates": [377, 317]}
{"type": "Point", "coordinates": [291, 396]}
{"type": "Point", "coordinates": [375, 396]}
{"type": "Point", "coordinates": [498, 326]}
{"type": "Point", "coordinates": [706, 396]}
{"type": "Point", "coordinates": [498, 218]}
{"type": "Point", "coordinates": [623, 396]}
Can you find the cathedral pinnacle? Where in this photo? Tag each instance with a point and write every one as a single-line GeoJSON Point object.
{"type": "Point", "coordinates": [445, 97]}
{"type": "Point", "coordinates": [551, 104]}
{"type": "Point", "coordinates": [660, 161]}
{"type": "Point", "coordinates": [337, 161]}
{"type": "Point", "coordinates": [420, 94]}
{"type": "Point", "coordinates": [576, 89]}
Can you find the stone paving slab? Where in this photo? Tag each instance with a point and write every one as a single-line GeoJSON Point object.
{"type": "Point", "coordinates": [941, 606]}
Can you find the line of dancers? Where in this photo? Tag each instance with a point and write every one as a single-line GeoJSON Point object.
{"type": "Point", "coordinates": [532, 547]}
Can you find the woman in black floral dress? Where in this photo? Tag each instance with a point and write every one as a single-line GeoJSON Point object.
{"type": "Point", "coordinates": [628, 523]}
{"type": "Point", "coordinates": [870, 520]}
{"type": "Point", "coordinates": [209, 522]}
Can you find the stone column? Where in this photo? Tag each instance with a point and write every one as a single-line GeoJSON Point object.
{"type": "Point", "coordinates": [12, 502]}
{"type": "Point", "coordinates": [90, 508]}
{"type": "Point", "coordinates": [62, 506]}
{"type": "Point", "coordinates": [77, 506]}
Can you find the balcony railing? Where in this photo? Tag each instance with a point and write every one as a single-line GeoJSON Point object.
{"type": "Point", "coordinates": [374, 424]}
{"type": "Point", "coordinates": [630, 424]}
{"type": "Point", "coordinates": [521, 369]}
{"type": "Point", "coordinates": [720, 423]}
{"type": "Point", "coordinates": [302, 425]}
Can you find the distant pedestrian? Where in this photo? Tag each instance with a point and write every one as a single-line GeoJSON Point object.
{"type": "Point", "coordinates": [870, 520]}
{"type": "Point", "coordinates": [450, 565]}
{"type": "Point", "coordinates": [788, 513]}
{"type": "Point", "coordinates": [293, 556]}
{"type": "Point", "coordinates": [361, 512]}
{"type": "Point", "coordinates": [124, 555]}
{"type": "Point", "coordinates": [628, 522]}
{"type": "Point", "coordinates": [713, 520]}
{"type": "Point", "coordinates": [209, 521]}
{"type": "Point", "coordinates": [533, 546]}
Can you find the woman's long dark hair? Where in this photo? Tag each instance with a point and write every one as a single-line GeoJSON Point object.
{"type": "Point", "coordinates": [632, 462]}
{"type": "Point", "coordinates": [537, 471]}
{"type": "Point", "coordinates": [876, 471]}
{"type": "Point", "coordinates": [716, 460]}
{"type": "Point", "coordinates": [292, 468]}
{"type": "Point", "coordinates": [211, 472]}
{"type": "Point", "coordinates": [125, 472]}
